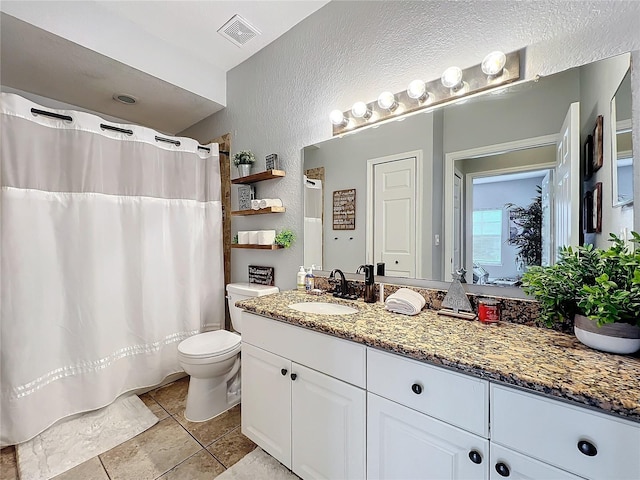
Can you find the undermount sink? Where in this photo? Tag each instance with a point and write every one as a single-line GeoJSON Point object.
{"type": "Point", "coordinates": [323, 308]}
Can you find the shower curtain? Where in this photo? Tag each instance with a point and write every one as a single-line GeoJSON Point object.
{"type": "Point", "coordinates": [111, 255]}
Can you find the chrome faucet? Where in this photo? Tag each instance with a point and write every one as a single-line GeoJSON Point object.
{"type": "Point", "coordinates": [344, 285]}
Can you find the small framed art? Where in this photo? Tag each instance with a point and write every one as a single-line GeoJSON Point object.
{"type": "Point", "coordinates": [597, 158]}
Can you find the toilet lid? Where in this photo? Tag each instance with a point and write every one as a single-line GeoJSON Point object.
{"type": "Point", "coordinates": [209, 344]}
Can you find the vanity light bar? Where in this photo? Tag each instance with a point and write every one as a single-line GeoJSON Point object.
{"type": "Point", "coordinates": [474, 81]}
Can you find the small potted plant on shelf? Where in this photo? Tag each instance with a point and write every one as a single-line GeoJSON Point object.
{"type": "Point", "coordinates": [285, 238]}
{"type": "Point", "coordinates": [595, 290]}
{"type": "Point", "coordinates": [244, 160]}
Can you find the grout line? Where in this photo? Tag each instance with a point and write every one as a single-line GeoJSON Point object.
{"type": "Point", "coordinates": [104, 467]}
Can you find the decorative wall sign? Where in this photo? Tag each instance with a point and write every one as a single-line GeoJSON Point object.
{"type": "Point", "coordinates": [246, 193]}
{"type": "Point", "coordinates": [261, 275]}
{"type": "Point", "coordinates": [587, 161]}
{"type": "Point", "coordinates": [344, 209]}
{"type": "Point", "coordinates": [597, 207]}
{"type": "Point", "coordinates": [271, 162]}
{"type": "Point", "coordinates": [597, 144]}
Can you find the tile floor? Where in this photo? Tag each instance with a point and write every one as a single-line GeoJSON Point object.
{"type": "Point", "coordinates": [172, 449]}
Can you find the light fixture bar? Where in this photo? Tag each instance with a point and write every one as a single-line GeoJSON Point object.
{"type": "Point", "coordinates": [475, 81]}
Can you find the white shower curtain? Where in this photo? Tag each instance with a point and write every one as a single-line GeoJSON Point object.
{"type": "Point", "coordinates": [111, 255]}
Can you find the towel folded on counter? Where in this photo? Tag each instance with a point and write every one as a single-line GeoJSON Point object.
{"type": "Point", "coordinates": [405, 301]}
{"type": "Point", "coordinates": [265, 202]}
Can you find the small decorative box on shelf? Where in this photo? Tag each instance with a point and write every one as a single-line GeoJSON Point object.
{"type": "Point", "coordinates": [257, 247]}
{"type": "Point", "coordinates": [262, 211]}
{"type": "Point", "coordinates": [258, 177]}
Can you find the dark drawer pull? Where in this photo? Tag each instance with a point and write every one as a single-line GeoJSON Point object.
{"type": "Point", "coordinates": [475, 457]}
{"type": "Point", "coordinates": [294, 376]}
{"type": "Point", "coordinates": [417, 388]}
{"type": "Point", "coordinates": [502, 469]}
{"type": "Point", "coordinates": [587, 448]}
{"type": "Point", "coordinates": [283, 371]}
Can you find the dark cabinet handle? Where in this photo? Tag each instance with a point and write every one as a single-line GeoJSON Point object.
{"type": "Point", "coordinates": [417, 388]}
{"type": "Point", "coordinates": [475, 457]}
{"type": "Point", "coordinates": [294, 376]}
{"type": "Point", "coordinates": [502, 469]}
{"type": "Point", "coordinates": [397, 262]}
{"type": "Point", "coordinates": [587, 448]}
{"type": "Point", "coordinates": [283, 371]}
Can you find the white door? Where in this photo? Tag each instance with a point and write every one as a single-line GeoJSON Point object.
{"type": "Point", "coordinates": [567, 202]}
{"type": "Point", "coordinates": [458, 232]}
{"type": "Point", "coordinates": [266, 401]}
{"type": "Point", "coordinates": [405, 444]}
{"type": "Point", "coordinates": [328, 426]}
{"type": "Point", "coordinates": [547, 219]}
{"type": "Point", "coordinates": [506, 463]}
{"type": "Point", "coordinates": [394, 221]}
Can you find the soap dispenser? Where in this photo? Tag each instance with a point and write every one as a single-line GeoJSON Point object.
{"type": "Point", "coordinates": [300, 279]}
{"type": "Point", "coordinates": [369, 287]}
{"type": "Point", "coordinates": [309, 280]}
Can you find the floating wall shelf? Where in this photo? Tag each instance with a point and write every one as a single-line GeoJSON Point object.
{"type": "Point", "coordinates": [262, 211]}
{"type": "Point", "coordinates": [256, 247]}
{"type": "Point", "coordinates": [258, 177]}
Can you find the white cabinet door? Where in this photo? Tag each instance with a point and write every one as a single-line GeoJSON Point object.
{"type": "Point", "coordinates": [404, 444]}
{"type": "Point", "coordinates": [506, 463]}
{"type": "Point", "coordinates": [266, 401]}
{"type": "Point", "coordinates": [328, 426]}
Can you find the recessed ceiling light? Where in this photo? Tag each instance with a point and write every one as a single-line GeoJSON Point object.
{"type": "Point", "coordinates": [124, 98]}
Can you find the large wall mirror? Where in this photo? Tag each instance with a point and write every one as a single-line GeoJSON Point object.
{"type": "Point", "coordinates": [479, 184]}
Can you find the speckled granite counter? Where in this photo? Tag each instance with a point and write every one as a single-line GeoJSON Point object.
{"type": "Point", "coordinates": [537, 359]}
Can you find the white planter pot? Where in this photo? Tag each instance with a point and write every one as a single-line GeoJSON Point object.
{"type": "Point", "coordinates": [619, 338]}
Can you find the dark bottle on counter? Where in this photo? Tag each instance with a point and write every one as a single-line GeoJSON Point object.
{"type": "Point", "coordinates": [369, 287]}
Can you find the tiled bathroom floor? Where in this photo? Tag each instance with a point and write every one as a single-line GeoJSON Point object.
{"type": "Point", "coordinates": [173, 449]}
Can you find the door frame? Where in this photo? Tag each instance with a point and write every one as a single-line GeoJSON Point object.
{"type": "Point", "coordinates": [484, 151]}
{"type": "Point", "coordinates": [468, 200]}
{"type": "Point", "coordinates": [419, 181]}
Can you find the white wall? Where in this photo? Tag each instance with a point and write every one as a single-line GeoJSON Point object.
{"type": "Point", "coordinates": [280, 98]}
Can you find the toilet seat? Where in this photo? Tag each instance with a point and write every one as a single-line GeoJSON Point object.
{"type": "Point", "coordinates": [210, 344]}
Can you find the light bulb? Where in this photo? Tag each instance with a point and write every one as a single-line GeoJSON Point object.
{"type": "Point", "coordinates": [417, 90]}
{"type": "Point", "coordinates": [360, 110]}
{"type": "Point", "coordinates": [452, 78]}
{"type": "Point", "coordinates": [337, 118]}
{"type": "Point", "coordinates": [387, 101]}
{"type": "Point", "coordinates": [494, 63]}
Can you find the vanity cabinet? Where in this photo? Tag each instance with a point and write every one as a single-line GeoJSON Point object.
{"type": "Point", "coordinates": [586, 443]}
{"type": "Point", "coordinates": [424, 422]}
{"type": "Point", "coordinates": [303, 398]}
{"type": "Point", "coordinates": [405, 444]}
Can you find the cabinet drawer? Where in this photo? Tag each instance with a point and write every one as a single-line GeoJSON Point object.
{"type": "Point", "coordinates": [517, 466]}
{"type": "Point", "coordinates": [338, 358]}
{"type": "Point", "coordinates": [452, 397]}
{"type": "Point", "coordinates": [551, 430]}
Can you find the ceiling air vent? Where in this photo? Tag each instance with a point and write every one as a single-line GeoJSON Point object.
{"type": "Point", "coordinates": [238, 31]}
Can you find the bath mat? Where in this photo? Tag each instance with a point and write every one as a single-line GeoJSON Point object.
{"type": "Point", "coordinates": [74, 441]}
{"type": "Point", "coordinates": [257, 465]}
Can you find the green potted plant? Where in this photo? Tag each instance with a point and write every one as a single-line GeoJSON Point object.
{"type": "Point", "coordinates": [244, 160]}
{"type": "Point", "coordinates": [528, 239]}
{"type": "Point", "coordinates": [285, 238]}
{"type": "Point", "coordinates": [595, 290]}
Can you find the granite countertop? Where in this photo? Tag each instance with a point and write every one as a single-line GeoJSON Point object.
{"type": "Point", "coordinates": [537, 359]}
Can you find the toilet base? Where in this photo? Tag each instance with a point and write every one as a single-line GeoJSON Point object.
{"type": "Point", "coordinates": [209, 397]}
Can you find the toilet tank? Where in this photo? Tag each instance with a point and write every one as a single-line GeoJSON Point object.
{"type": "Point", "coordinates": [242, 291]}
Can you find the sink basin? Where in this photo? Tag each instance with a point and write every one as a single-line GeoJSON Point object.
{"type": "Point", "coordinates": [323, 308]}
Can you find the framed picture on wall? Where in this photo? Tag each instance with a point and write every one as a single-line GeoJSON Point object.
{"type": "Point", "coordinates": [587, 160]}
{"type": "Point", "coordinates": [597, 207]}
{"type": "Point", "coordinates": [597, 158]}
{"type": "Point", "coordinates": [587, 212]}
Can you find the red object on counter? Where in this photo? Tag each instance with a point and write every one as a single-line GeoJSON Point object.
{"type": "Point", "coordinates": [488, 310]}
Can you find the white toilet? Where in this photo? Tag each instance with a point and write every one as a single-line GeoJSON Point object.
{"type": "Point", "coordinates": [212, 359]}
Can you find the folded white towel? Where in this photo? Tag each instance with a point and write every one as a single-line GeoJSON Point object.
{"type": "Point", "coordinates": [405, 301]}
{"type": "Point", "coordinates": [270, 202]}
{"type": "Point", "coordinates": [255, 204]}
